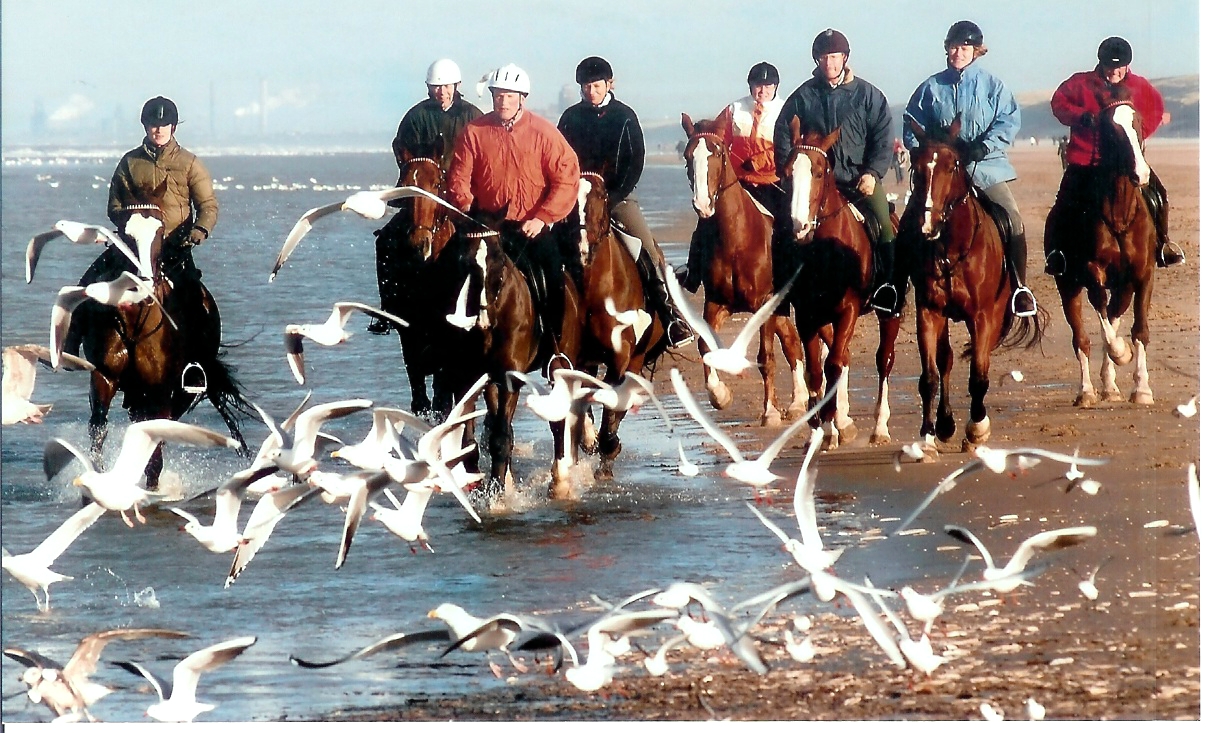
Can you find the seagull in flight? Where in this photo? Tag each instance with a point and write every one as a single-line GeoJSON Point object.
{"type": "Point", "coordinates": [554, 403]}
{"type": "Point", "coordinates": [475, 634]}
{"type": "Point", "coordinates": [389, 643]}
{"type": "Point", "coordinates": [20, 376]}
{"type": "Point", "coordinates": [178, 698]}
{"type": "Point", "coordinates": [293, 452]}
{"type": "Point", "coordinates": [755, 472]}
{"type": "Point", "coordinates": [732, 359]}
{"type": "Point", "coordinates": [32, 569]}
{"type": "Point", "coordinates": [268, 512]}
{"type": "Point", "coordinates": [329, 333]}
{"type": "Point", "coordinates": [79, 234]}
{"type": "Point", "coordinates": [126, 289]}
{"type": "Point", "coordinates": [222, 535]}
{"type": "Point", "coordinates": [1007, 576]}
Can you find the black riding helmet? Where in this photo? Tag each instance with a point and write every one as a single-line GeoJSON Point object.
{"type": "Point", "coordinates": [763, 72]}
{"type": "Point", "coordinates": [159, 111]}
{"type": "Point", "coordinates": [829, 41]}
{"type": "Point", "coordinates": [592, 69]}
{"type": "Point", "coordinates": [1114, 52]}
{"type": "Point", "coordinates": [964, 33]}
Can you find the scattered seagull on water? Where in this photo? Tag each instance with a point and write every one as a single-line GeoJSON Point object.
{"type": "Point", "coordinates": [802, 650]}
{"type": "Point", "coordinates": [656, 665]}
{"type": "Point", "coordinates": [918, 451]}
{"type": "Point", "coordinates": [20, 374]}
{"type": "Point", "coordinates": [222, 535]}
{"type": "Point", "coordinates": [178, 698]}
{"type": "Point", "coordinates": [32, 569]}
{"type": "Point", "coordinates": [599, 668]}
{"type": "Point", "coordinates": [990, 713]}
{"type": "Point", "coordinates": [1007, 576]}
{"type": "Point", "coordinates": [927, 608]}
{"type": "Point", "coordinates": [1189, 409]}
{"type": "Point", "coordinates": [1034, 710]}
{"type": "Point", "coordinates": [120, 488]}
{"type": "Point", "coordinates": [474, 634]}
{"type": "Point", "coordinates": [1088, 586]}
{"type": "Point", "coordinates": [405, 519]}
{"type": "Point", "coordinates": [1014, 375]}
{"type": "Point", "coordinates": [732, 359]}
{"type": "Point", "coordinates": [919, 653]}
{"type": "Point", "coordinates": [328, 333]}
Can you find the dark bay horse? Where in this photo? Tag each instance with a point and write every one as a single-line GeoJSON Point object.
{"type": "Point", "coordinates": [621, 332]}
{"type": "Point", "coordinates": [738, 276]}
{"type": "Point", "coordinates": [407, 247]}
{"type": "Point", "coordinates": [1109, 252]}
{"type": "Point", "coordinates": [831, 292]}
{"type": "Point", "coordinates": [163, 370]}
{"type": "Point", "coordinates": [956, 259]}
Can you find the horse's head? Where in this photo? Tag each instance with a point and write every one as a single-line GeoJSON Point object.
{"type": "Point", "coordinates": [140, 222]}
{"type": "Point", "coordinates": [707, 161]}
{"type": "Point", "coordinates": [1119, 135]}
{"type": "Point", "coordinates": [940, 178]}
{"type": "Point", "coordinates": [811, 173]}
{"type": "Point", "coordinates": [594, 219]}
{"type": "Point", "coordinates": [425, 172]}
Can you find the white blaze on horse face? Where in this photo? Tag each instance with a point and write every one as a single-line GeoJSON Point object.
{"type": "Point", "coordinates": [143, 229]}
{"type": "Point", "coordinates": [483, 318]}
{"type": "Point", "coordinates": [701, 200]}
{"type": "Point", "coordinates": [927, 225]}
{"type": "Point", "coordinates": [801, 195]}
{"type": "Point", "coordinates": [1124, 117]}
{"type": "Point", "coordinates": [583, 243]}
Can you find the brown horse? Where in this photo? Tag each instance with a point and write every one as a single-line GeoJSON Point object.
{"type": "Point", "coordinates": [406, 248]}
{"type": "Point", "coordinates": [834, 285]}
{"type": "Point", "coordinates": [162, 370]}
{"type": "Point", "coordinates": [738, 276]}
{"type": "Point", "coordinates": [957, 264]}
{"type": "Point", "coordinates": [612, 292]}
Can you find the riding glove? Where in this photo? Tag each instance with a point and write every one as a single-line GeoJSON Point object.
{"type": "Point", "coordinates": [978, 152]}
{"type": "Point", "coordinates": [196, 236]}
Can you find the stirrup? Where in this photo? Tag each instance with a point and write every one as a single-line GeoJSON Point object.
{"type": "Point", "coordinates": [1056, 263]}
{"type": "Point", "coordinates": [886, 289]}
{"type": "Point", "coordinates": [1167, 249]}
{"type": "Point", "coordinates": [193, 379]}
{"type": "Point", "coordinates": [1013, 303]}
{"type": "Point", "coordinates": [548, 367]}
{"type": "Point", "coordinates": [686, 328]}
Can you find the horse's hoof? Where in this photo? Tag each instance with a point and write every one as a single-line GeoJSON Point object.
{"type": "Point", "coordinates": [977, 433]}
{"type": "Point", "coordinates": [967, 446]}
{"type": "Point", "coordinates": [1085, 399]}
{"type": "Point", "coordinates": [1112, 396]}
{"type": "Point", "coordinates": [829, 443]}
{"type": "Point", "coordinates": [847, 434]}
{"type": "Point", "coordinates": [771, 419]}
{"type": "Point", "coordinates": [1142, 398]}
{"type": "Point", "coordinates": [796, 411]}
{"type": "Point", "coordinates": [721, 396]}
{"type": "Point", "coordinates": [878, 439]}
{"type": "Point", "coordinates": [929, 454]}
{"type": "Point", "coordinates": [604, 472]}
{"type": "Point", "coordinates": [1120, 352]}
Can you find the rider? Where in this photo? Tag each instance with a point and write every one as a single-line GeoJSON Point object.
{"type": "Point", "coordinates": [750, 140]}
{"type": "Point", "coordinates": [514, 161]}
{"type": "Point", "coordinates": [835, 98]}
{"type": "Point", "coordinates": [1076, 105]}
{"type": "Point", "coordinates": [432, 124]}
{"type": "Point", "coordinates": [604, 131]}
{"type": "Point", "coordinates": [990, 119]}
{"type": "Point", "coordinates": [189, 209]}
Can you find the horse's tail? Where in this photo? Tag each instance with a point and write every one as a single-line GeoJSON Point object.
{"type": "Point", "coordinates": [1024, 332]}
{"type": "Point", "coordinates": [225, 393]}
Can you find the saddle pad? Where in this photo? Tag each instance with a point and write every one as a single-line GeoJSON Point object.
{"type": "Point", "coordinates": [763, 209]}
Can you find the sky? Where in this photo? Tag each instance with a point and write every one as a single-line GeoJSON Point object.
{"type": "Point", "coordinates": [343, 68]}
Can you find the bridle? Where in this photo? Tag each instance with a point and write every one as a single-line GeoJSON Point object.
{"type": "Point", "coordinates": [414, 174]}
{"type": "Point", "coordinates": [724, 163]}
{"type": "Point", "coordinates": [829, 180]}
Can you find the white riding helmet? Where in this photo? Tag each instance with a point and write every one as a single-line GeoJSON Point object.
{"type": "Point", "coordinates": [509, 78]}
{"type": "Point", "coordinates": [443, 71]}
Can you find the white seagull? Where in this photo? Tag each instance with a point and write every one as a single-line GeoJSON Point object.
{"type": "Point", "coordinates": [555, 403]}
{"type": "Point", "coordinates": [124, 290]}
{"type": "Point", "coordinates": [120, 488]}
{"type": "Point", "coordinates": [1088, 586]}
{"type": "Point", "coordinates": [79, 234]}
{"type": "Point", "coordinates": [632, 392]}
{"type": "Point", "coordinates": [380, 443]}
{"type": "Point", "coordinates": [757, 472]}
{"type": "Point", "coordinates": [268, 512]}
{"type": "Point", "coordinates": [405, 519]}
{"type": "Point", "coordinates": [599, 668]}
{"type": "Point", "coordinates": [293, 452]}
{"type": "Point", "coordinates": [1008, 576]}
{"type": "Point", "coordinates": [475, 634]}
{"type": "Point", "coordinates": [686, 467]}
{"type": "Point", "coordinates": [732, 359]}
{"type": "Point", "coordinates": [1189, 409]}
{"type": "Point", "coordinates": [178, 698]}
{"type": "Point", "coordinates": [920, 653]}
{"type": "Point", "coordinates": [32, 569]}
{"type": "Point", "coordinates": [20, 374]}
{"type": "Point", "coordinates": [329, 333]}
{"type": "Point", "coordinates": [222, 535]}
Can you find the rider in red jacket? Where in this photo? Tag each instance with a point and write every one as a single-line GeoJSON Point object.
{"type": "Point", "coordinates": [1076, 103]}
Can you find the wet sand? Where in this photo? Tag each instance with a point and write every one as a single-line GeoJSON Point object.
{"type": "Point", "coordinates": [1133, 653]}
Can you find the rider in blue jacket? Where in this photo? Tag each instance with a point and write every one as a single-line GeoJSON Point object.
{"type": "Point", "coordinates": [990, 120]}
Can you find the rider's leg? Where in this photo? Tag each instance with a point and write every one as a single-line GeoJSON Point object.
{"type": "Point", "coordinates": [1022, 302]}
{"type": "Point", "coordinates": [884, 295]}
{"type": "Point", "coordinates": [1167, 251]}
{"type": "Point", "coordinates": [627, 214]}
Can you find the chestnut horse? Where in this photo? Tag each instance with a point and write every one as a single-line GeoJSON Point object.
{"type": "Point", "coordinates": [162, 370]}
{"type": "Point", "coordinates": [1109, 252]}
{"type": "Point", "coordinates": [738, 276]}
{"type": "Point", "coordinates": [612, 291]}
{"type": "Point", "coordinates": [957, 259]}
{"type": "Point", "coordinates": [406, 248]}
{"type": "Point", "coordinates": [833, 287]}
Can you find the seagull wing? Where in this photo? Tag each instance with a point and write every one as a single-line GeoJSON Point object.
{"type": "Point", "coordinates": [65, 303]}
{"type": "Point", "coordinates": [804, 499]}
{"type": "Point", "coordinates": [305, 432]}
{"type": "Point", "coordinates": [188, 671]}
{"type": "Point", "coordinates": [389, 643]}
{"type": "Point", "coordinates": [141, 438]}
{"type": "Point", "coordinates": [33, 251]}
{"type": "Point", "coordinates": [964, 535]}
{"type": "Point", "coordinates": [294, 353]}
{"type": "Point", "coordinates": [163, 688]}
{"type": "Point", "coordinates": [60, 539]}
{"type": "Point", "coordinates": [1050, 540]}
{"type": "Point", "coordinates": [83, 661]}
{"type": "Point", "coordinates": [769, 524]}
{"type": "Point", "coordinates": [344, 309]}
{"type": "Point", "coordinates": [268, 512]}
{"type": "Point", "coordinates": [101, 235]}
{"type": "Point", "coordinates": [300, 229]}
{"type": "Point", "coordinates": [695, 411]}
{"type": "Point", "coordinates": [369, 482]}
{"type": "Point", "coordinates": [696, 321]}
{"type": "Point", "coordinates": [503, 622]}
{"type": "Point", "coordinates": [646, 385]}
{"type": "Point", "coordinates": [536, 386]}
{"type": "Point", "coordinates": [943, 486]}
{"type": "Point", "coordinates": [19, 374]}
{"type": "Point", "coordinates": [750, 330]}
{"type": "Point", "coordinates": [874, 624]}
{"type": "Point", "coordinates": [1061, 457]}
{"type": "Point", "coordinates": [57, 453]}
{"type": "Point", "coordinates": [28, 658]}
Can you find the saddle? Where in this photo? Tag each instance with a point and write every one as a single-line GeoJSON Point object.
{"type": "Point", "coordinates": [998, 214]}
{"type": "Point", "coordinates": [862, 211]}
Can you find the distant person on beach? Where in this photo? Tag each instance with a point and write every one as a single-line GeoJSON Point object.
{"type": "Point", "coordinates": [1062, 151]}
{"type": "Point", "coordinates": [990, 118]}
{"type": "Point", "coordinates": [429, 128]}
{"type": "Point", "coordinates": [750, 138]}
{"type": "Point", "coordinates": [1076, 104]}
{"type": "Point", "coordinates": [899, 155]}
{"type": "Point", "coordinates": [513, 162]}
{"type": "Point", "coordinates": [607, 136]}
{"type": "Point", "coordinates": [834, 98]}
{"type": "Point", "coordinates": [189, 210]}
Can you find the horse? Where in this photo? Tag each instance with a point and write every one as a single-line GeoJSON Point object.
{"type": "Point", "coordinates": [832, 290]}
{"type": "Point", "coordinates": [955, 255]}
{"type": "Point", "coordinates": [1109, 253]}
{"type": "Point", "coordinates": [504, 338]}
{"type": "Point", "coordinates": [738, 276]}
{"type": "Point", "coordinates": [620, 333]}
{"type": "Point", "coordinates": [406, 247]}
{"type": "Point", "coordinates": [162, 362]}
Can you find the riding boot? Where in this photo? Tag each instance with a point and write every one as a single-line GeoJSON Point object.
{"type": "Point", "coordinates": [692, 277]}
{"type": "Point", "coordinates": [884, 296]}
{"type": "Point", "coordinates": [1168, 254]}
{"type": "Point", "coordinates": [1022, 303]}
{"type": "Point", "coordinates": [678, 333]}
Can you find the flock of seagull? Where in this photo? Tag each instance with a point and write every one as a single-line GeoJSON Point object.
{"type": "Point", "coordinates": [403, 452]}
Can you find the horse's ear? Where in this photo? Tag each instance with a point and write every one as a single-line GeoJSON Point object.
{"type": "Point", "coordinates": [957, 125]}
{"type": "Point", "coordinates": [688, 125]}
{"type": "Point", "coordinates": [725, 120]}
{"type": "Point", "coordinates": [831, 139]}
{"type": "Point", "coordinates": [794, 125]}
